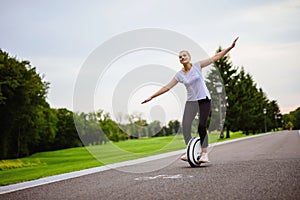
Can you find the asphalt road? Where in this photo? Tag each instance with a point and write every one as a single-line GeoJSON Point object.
{"type": "Point", "coordinates": [266, 167]}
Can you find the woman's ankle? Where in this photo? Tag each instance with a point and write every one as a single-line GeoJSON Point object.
{"type": "Point", "coordinates": [204, 150]}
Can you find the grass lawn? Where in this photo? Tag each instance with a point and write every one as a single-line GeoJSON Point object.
{"type": "Point", "coordinates": [57, 162]}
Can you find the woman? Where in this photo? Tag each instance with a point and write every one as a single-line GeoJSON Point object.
{"type": "Point", "coordinates": [198, 97]}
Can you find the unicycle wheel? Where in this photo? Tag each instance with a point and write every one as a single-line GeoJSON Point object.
{"type": "Point", "coordinates": [193, 151]}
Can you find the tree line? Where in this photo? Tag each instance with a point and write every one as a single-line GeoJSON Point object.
{"type": "Point", "coordinates": [29, 125]}
{"type": "Point", "coordinates": [97, 128]}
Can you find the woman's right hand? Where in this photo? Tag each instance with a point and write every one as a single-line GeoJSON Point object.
{"type": "Point", "coordinates": [162, 90]}
{"type": "Point", "coordinates": [149, 99]}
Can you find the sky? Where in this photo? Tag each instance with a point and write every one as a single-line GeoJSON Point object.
{"type": "Point", "coordinates": [57, 36]}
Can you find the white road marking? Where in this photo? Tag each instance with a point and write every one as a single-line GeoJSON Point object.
{"type": "Point", "coordinates": [163, 176]}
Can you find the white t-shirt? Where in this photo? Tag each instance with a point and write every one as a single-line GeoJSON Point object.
{"type": "Point", "coordinates": [194, 83]}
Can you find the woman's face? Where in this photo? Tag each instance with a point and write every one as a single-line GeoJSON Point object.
{"type": "Point", "coordinates": [184, 57]}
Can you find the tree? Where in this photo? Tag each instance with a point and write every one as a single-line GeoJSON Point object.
{"type": "Point", "coordinates": [296, 122]}
{"type": "Point", "coordinates": [66, 133]}
{"type": "Point", "coordinates": [137, 127]}
{"type": "Point", "coordinates": [22, 97]}
{"type": "Point", "coordinates": [229, 75]}
{"type": "Point", "coordinates": [110, 128]}
{"type": "Point", "coordinates": [174, 126]}
{"type": "Point", "coordinates": [223, 71]}
{"type": "Point", "coordinates": [246, 91]}
{"type": "Point", "coordinates": [273, 112]}
{"type": "Point", "coordinates": [292, 120]}
{"type": "Point", "coordinates": [89, 128]}
{"type": "Point", "coordinates": [46, 127]}
{"type": "Point", "coordinates": [154, 128]}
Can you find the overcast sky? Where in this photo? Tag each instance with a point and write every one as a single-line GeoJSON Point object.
{"type": "Point", "coordinates": [57, 36]}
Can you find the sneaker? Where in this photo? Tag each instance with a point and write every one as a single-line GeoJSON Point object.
{"type": "Point", "coordinates": [204, 158]}
{"type": "Point", "coordinates": [184, 157]}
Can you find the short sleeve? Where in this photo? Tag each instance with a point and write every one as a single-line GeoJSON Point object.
{"type": "Point", "coordinates": [197, 65]}
{"type": "Point", "coordinates": [177, 77]}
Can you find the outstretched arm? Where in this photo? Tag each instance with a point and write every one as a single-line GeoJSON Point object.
{"type": "Point", "coordinates": [217, 56]}
{"type": "Point", "coordinates": [162, 90]}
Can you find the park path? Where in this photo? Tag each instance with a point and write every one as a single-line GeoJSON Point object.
{"type": "Point", "coordinates": [265, 167]}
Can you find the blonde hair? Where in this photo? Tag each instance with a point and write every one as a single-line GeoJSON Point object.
{"type": "Point", "coordinates": [188, 53]}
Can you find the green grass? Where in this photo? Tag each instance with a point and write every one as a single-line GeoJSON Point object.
{"type": "Point", "coordinates": [62, 161]}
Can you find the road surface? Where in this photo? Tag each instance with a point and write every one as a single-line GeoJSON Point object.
{"type": "Point", "coordinates": [265, 167]}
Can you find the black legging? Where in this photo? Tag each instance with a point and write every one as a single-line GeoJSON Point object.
{"type": "Point", "coordinates": [190, 111]}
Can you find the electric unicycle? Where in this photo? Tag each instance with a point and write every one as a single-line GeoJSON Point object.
{"type": "Point", "coordinates": [193, 151]}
